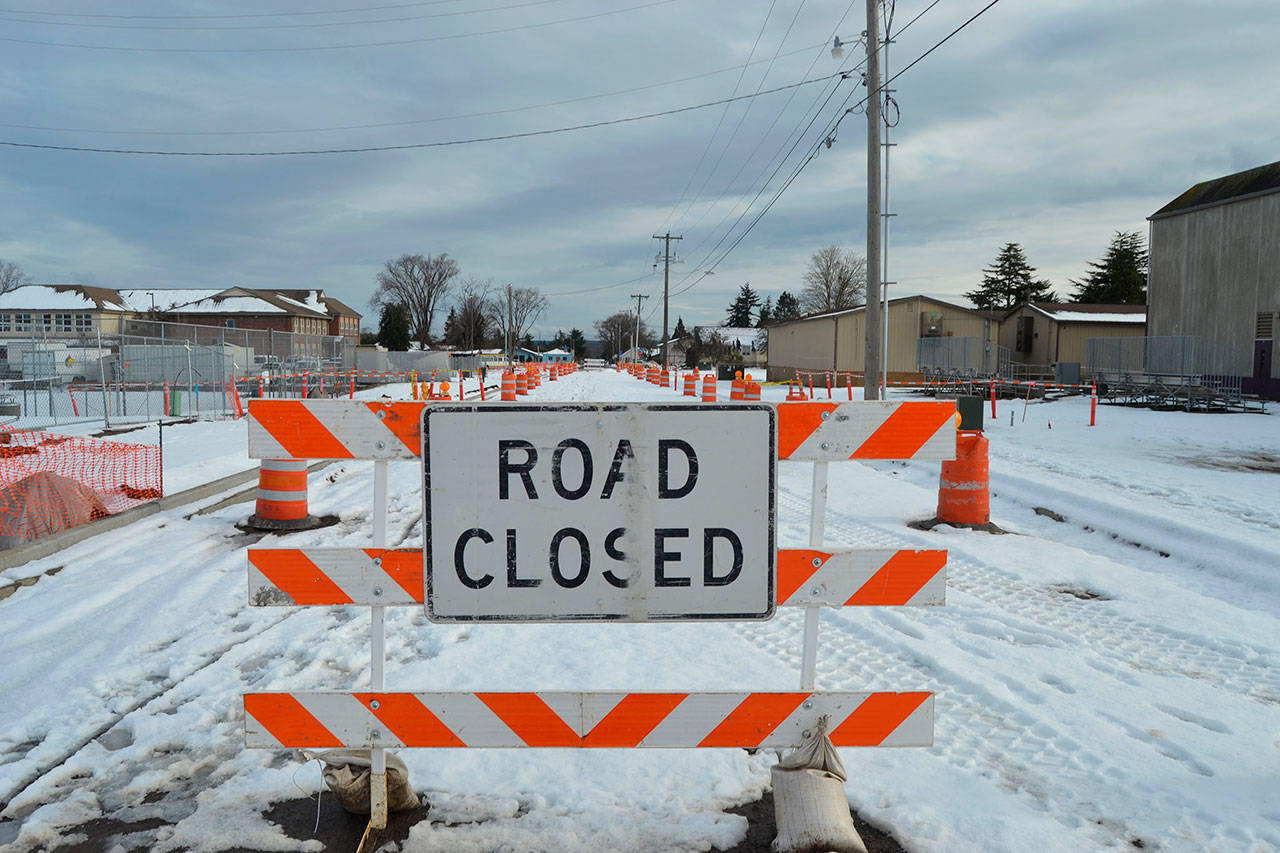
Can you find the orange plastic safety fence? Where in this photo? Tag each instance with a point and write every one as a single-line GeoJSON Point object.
{"type": "Point", "coordinates": [53, 482]}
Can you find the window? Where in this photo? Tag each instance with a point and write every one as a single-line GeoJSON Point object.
{"type": "Point", "coordinates": [22, 322]}
{"type": "Point", "coordinates": [231, 323]}
{"type": "Point", "coordinates": [46, 321]}
{"type": "Point", "coordinates": [84, 322]}
{"type": "Point", "coordinates": [62, 322]}
{"type": "Point", "coordinates": [6, 321]}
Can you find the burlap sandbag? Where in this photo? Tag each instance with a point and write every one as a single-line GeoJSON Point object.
{"type": "Point", "coordinates": [347, 771]}
{"type": "Point", "coordinates": [809, 804]}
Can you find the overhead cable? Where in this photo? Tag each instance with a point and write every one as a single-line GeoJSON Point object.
{"type": "Point", "coordinates": [415, 145]}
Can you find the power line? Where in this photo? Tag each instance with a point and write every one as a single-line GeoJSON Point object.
{"type": "Point", "coordinates": [414, 145]}
{"type": "Point", "coordinates": [725, 112]}
{"type": "Point", "coordinates": [396, 43]}
{"type": "Point", "coordinates": [404, 123]}
{"type": "Point", "coordinates": [742, 118]}
{"type": "Point", "coordinates": [243, 27]}
{"type": "Point", "coordinates": [813, 150]}
{"type": "Point", "coordinates": [381, 8]}
{"type": "Point", "coordinates": [760, 141]}
{"type": "Point", "coordinates": [649, 274]}
{"type": "Point", "coordinates": [798, 138]}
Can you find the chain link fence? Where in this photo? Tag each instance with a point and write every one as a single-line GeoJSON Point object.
{"type": "Point", "coordinates": [966, 355]}
{"type": "Point", "coordinates": [154, 369]}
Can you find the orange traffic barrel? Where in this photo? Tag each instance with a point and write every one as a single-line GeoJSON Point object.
{"type": "Point", "coordinates": [664, 376]}
{"type": "Point", "coordinates": [508, 385]}
{"type": "Point", "coordinates": [963, 488]}
{"type": "Point", "coordinates": [738, 388]}
{"type": "Point", "coordinates": [553, 373]}
{"type": "Point", "coordinates": [282, 497]}
{"type": "Point", "coordinates": [522, 384]}
{"type": "Point", "coordinates": [709, 388]}
{"type": "Point", "coordinates": [691, 385]}
{"type": "Point", "coordinates": [751, 393]}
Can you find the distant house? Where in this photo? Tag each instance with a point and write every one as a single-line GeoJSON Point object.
{"type": "Point", "coordinates": [557, 355]}
{"type": "Point", "coordinates": [1046, 333]}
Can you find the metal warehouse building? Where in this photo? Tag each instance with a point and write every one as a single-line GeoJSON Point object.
{"type": "Point", "coordinates": [1215, 269]}
{"type": "Point", "coordinates": [836, 341]}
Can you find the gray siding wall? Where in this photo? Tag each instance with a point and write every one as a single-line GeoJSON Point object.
{"type": "Point", "coordinates": [1214, 270]}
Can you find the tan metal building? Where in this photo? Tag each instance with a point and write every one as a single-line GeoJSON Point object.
{"type": "Point", "coordinates": [1046, 333]}
{"type": "Point", "coordinates": [837, 341]}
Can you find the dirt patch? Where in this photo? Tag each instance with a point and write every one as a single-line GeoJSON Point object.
{"type": "Point", "coordinates": [1258, 462]}
{"type": "Point", "coordinates": [1080, 592]}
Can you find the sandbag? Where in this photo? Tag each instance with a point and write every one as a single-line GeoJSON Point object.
{"type": "Point", "coordinates": [809, 803]}
{"type": "Point", "coordinates": [347, 772]}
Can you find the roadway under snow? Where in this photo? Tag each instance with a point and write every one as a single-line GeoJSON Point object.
{"type": "Point", "coordinates": [1105, 682]}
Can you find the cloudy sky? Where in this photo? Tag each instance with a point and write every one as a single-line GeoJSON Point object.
{"type": "Point", "coordinates": [1051, 123]}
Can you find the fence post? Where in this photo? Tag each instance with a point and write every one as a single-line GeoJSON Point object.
{"type": "Point", "coordinates": [102, 374]}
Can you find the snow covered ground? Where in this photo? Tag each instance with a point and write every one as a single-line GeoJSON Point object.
{"type": "Point", "coordinates": [1109, 681]}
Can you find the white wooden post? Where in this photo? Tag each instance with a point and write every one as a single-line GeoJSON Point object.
{"type": "Point", "coordinates": [378, 652]}
{"type": "Point", "coordinates": [812, 613]}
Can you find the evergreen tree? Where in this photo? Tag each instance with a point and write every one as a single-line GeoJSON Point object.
{"type": "Point", "coordinates": [680, 331]}
{"type": "Point", "coordinates": [393, 327]}
{"type": "Point", "coordinates": [741, 308]}
{"type": "Point", "coordinates": [787, 308]}
{"type": "Point", "coordinates": [1120, 278]}
{"type": "Point", "coordinates": [577, 344]}
{"type": "Point", "coordinates": [1009, 282]}
{"type": "Point", "coordinates": [765, 317]}
{"type": "Point", "coordinates": [451, 331]}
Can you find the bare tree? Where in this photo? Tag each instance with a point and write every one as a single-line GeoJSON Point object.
{"type": "Point", "coordinates": [617, 331]}
{"type": "Point", "coordinates": [419, 284]}
{"type": "Point", "coordinates": [12, 276]}
{"type": "Point", "coordinates": [835, 279]}
{"type": "Point", "coordinates": [471, 323]}
{"type": "Point", "coordinates": [514, 310]}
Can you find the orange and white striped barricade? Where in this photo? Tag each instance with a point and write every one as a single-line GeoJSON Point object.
{"type": "Point", "coordinates": [553, 372]}
{"type": "Point", "coordinates": [691, 385]}
{"type": "Point", "coordinates": [709, 388]}
{"type": "Point", "coordinates": [379, 577]}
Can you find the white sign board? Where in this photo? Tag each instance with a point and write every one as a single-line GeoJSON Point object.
{"type": "Point", "coordinates": [633, 512]}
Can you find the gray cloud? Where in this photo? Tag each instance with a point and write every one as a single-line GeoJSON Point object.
{"type": "Point", "coordinates": [1051, 123]}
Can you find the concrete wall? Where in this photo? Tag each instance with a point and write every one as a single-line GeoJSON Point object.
{"type": "Point", "coordinates": [1212, 271]}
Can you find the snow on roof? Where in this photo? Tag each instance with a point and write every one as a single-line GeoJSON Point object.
{"type": "Point", "coordinates": [141, 300]}
{"type": "Point", "coordinates": [1090, 317]}
{"type": "Point", "coordinates": [65, 297]}
{"type": "Point", "coordinates": [556, 351]}
{"type": "Point", "coordinates": [230, 305]}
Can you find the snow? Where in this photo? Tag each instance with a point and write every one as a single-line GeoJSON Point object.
{"type": "Point", "coordinates": [41, 297]}
{"type": "Point", "coordinates": [141, 300]}
{"type": "Point", "coordinates": [1090, 317]}
{"type": "Point", "coordinates": [1103, 683]}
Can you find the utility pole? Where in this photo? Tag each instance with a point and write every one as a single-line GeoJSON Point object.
{"type": "Point", "coordinates": [886, 215]}
{"type": "Point", "coordinates": [666, 281]}
{"type": "Point", "coordinates": [871, 364]}
{"type": "Point", "coordinates": [635, 333]}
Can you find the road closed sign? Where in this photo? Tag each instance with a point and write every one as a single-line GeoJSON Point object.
{"type": "Point", "coordinates": [631, 512]}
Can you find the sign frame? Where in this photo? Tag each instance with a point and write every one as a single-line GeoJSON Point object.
{"type": "Point", "coordinates": [770, 459]}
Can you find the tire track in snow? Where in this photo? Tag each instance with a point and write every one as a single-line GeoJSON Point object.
{"type": "Point", "coordinates": [1118, 638]}
{"type": "Point", "coordinates": [142, 697]}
